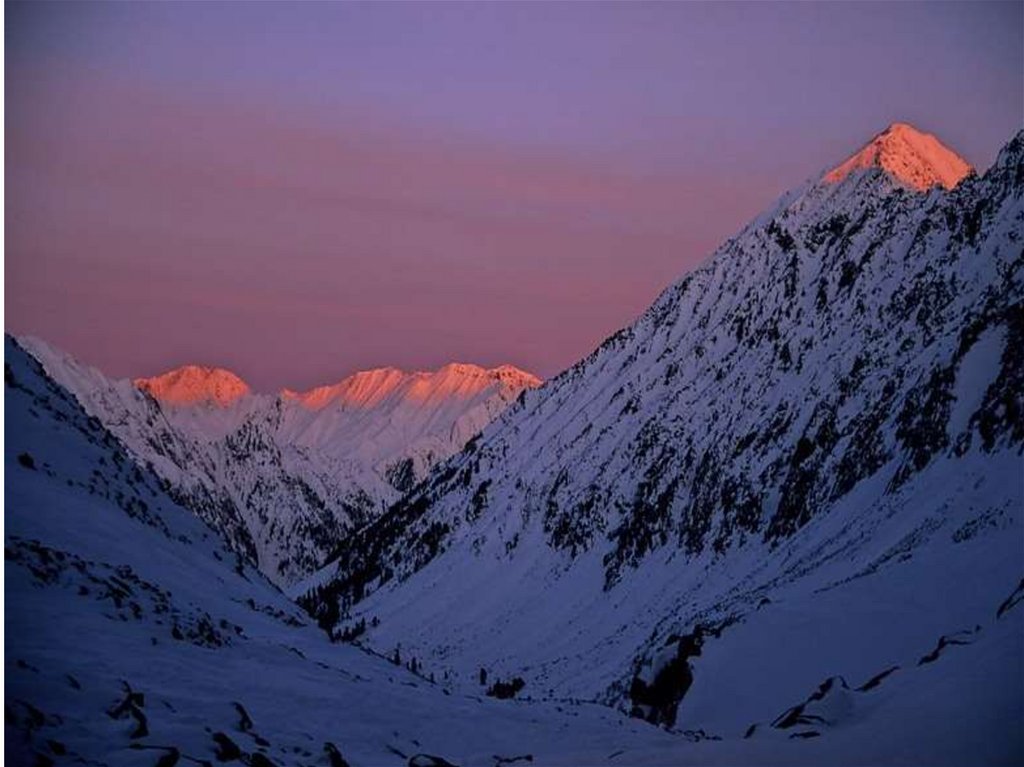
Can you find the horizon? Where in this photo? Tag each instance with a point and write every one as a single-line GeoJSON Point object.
{"type": "Point", "coordinates": [213, 368]}
{"type": "Point", "coordinates": [343, 208]}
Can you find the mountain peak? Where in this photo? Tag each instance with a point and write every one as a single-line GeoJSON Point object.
{"type": "Point", "coordinates": [508, 373]}
{"type": "Point", "coordinates": [195, 384]}
{"type": "Point", "coordinates": [915, 158]}
{"type": "Point", "coordinates": [368, 387]}
{"type": "Point", "coordinates": [513, 374]}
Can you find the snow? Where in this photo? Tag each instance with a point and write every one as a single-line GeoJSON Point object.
{"type": "Point", "coordinates": [806, 448]}
{"type": "Point", "coordinates": [70, 652]}
{"type": "Point", "coordinates": [591, 550]}
{"type": "Point", "coordinates": [977, 370]}
{"type": "Point", "coordinates": [377, 415]}
{"type": "Point", "coordinates": [289, 475]}
{"type": "Point", "coordinates": [276, 686]}
{"type": "Point", "coordinates": [194, 385]}
{"type": "Point", "coordinates": [917, 159]}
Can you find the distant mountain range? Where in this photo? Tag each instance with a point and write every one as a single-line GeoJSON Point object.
{"type": "Point", "coordinates": [286, 477]}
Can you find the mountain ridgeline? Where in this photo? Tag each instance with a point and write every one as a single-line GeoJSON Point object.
{"type": "Point", "coordinates": [136, 637]}
{"type": "Point", "coordinates": [284, 478]}
{"type": "Point", "coordinates": [767, 417]}
{"type": "Point", "coordinates": [779, 517]}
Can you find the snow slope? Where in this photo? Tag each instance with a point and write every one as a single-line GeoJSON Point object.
{"type": "Point", "coordinates": [135, 636]}
{"type": "Point", "coordinates": [916, 159]}
{"type": "Point", "coordinates": [802, 462]}
{"type": "Point", "coordinates": [285, 477]}
{"type": "Point", "coordinates": [195, 385]}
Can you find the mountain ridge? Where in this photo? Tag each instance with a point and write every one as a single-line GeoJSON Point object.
{"type": "Point", "coordinates": [773, 409]}
{"type": "Point", "coordinates": [372, 385]}
{"type": "Point", "coordinates": [283, 481]}
{"type": "Point", "coordinates": [778, 517]}
{"type": "Point", "coordinates": [192, 384]}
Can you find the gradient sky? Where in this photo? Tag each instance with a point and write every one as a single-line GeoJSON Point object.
{"type": "Point", "coordinates": [299, 191]}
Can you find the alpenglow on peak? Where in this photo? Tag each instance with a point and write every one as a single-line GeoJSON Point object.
{"type": "Point", "coordinates": [915, 158]}
{"type": "Point", "coordinates": [195, 384]}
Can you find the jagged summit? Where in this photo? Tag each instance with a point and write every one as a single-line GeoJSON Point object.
{"type": "Point", "coordinates": [195, 385]}
{"type": "Point", "coordinates": [833, 389]}
{"type": "Point", "coordinates": [915, 158]}
{"type": "Point", "coordinates": [514, 374]}
{"type": "Point", "coordinates": [369, 387]}
{"type": "Point", "coordinates": [191, 385]}
{"type": "Point", "coordinates": [508, 373]}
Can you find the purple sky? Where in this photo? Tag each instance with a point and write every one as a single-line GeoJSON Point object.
{"type": "Point", "coordinates": [299, 191]}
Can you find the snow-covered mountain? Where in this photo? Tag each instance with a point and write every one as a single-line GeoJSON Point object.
{"type": "Point", "coordinates": [918, 160]}
{"type": "Point", "coordinates": [780, 516]}
{"type": "Point", "coordinates": [286, 477]}
{"type": "Point", "coordinates": [135, 636]}
{"type": "Point", "coordinates": [192, 385]}
{"type": "Point", "coordinates": [785, 503]}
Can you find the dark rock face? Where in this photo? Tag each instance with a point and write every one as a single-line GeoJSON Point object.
{"type": "Point", "coordinates": [401, 475]}
{"type": "Point", "coordinates": [877, 679]}
{"type": "Point", "coordinates": [425, 760]}
{"type": "Point", "coordinates": [658, 701]}
{"type": "Point", "coordinates": [1012, 601]}
{"type": "Point", "coordinates": [334, 757]}
{"type": "Point", "coordinates": [506, 690]}
{"type": "Point", "coordinates": [798, 714]}
{"type": "Point", "coordinates": [226, 749]}
{"type": "Point", "coordinates": [962, 638]}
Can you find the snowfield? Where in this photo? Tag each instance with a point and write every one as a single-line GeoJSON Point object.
{"type": "Point", "coordinates": [135, 636]}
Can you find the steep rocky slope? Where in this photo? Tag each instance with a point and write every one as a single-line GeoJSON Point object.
{"type": "Point", "coordinates": [803, 461]}
{"type": "Point", "coordinates": [136, 637]}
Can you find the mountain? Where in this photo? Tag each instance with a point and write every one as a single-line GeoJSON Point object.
{"type": "Point", "coordinates": [784, 503]}
{"type": "Point", "coordinates": [195, 385]}
{"type": "Point", "coordinates": [375, 416]}
{"type": "Point", "coordinates": [135, 636]}
{"type": "Point", "coordinates": [915, 159]}
{"type": "Point", "coordinates": [285, 477]}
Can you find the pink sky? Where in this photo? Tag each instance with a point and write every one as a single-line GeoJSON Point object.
{"type": "Point", "coordinates": [294, 255]}
{"type": "Point", "coordinates": [445, 198]}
